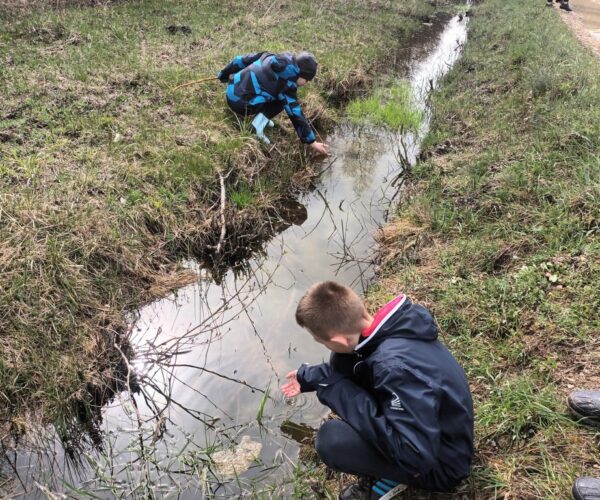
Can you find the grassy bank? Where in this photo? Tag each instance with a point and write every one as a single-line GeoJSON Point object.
{"type": "Point", "coordinates": [499, 234]}
{"type": "Point", "coordinates": [108, 178]}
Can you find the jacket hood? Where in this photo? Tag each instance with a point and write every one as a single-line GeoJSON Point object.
{"type": "Point", "coordinates": [307, 63]}
{"type": "Point", "coordinates": [399, 318]}
{"type": "Point", "coordinates": [284, 64]}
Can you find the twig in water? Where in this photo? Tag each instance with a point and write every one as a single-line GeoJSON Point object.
{"type": "Point", "coordinates": [201, 368]}
{"type": "Point", "coordinates": [329, 165]}
{"type": "Point", "coordinates": [143, 455]}
{"type": "Point", "coordinates": [223, 229]}
{"type": "Point", "coordinates": [193, 413]}
{"type": "Point", "coordinates": [48, 493]}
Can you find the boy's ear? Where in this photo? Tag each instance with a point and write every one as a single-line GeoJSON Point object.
{"type": "Point", "coordinates": [340, 338]}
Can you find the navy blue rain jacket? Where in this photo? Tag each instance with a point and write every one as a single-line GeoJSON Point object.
{"type": "Point", "coordinates": [265, 77]}
{"type": "Point", "coordinates": [407, 396]}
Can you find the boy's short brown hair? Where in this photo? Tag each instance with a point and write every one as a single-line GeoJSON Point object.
{"type": "Point", "coordinates": [329, 307]}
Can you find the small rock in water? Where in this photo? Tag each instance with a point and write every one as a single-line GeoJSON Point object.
{"type": "Point", "coordinates": [237, 460]}
{"type": "Point", "coordinates": [298, 432]}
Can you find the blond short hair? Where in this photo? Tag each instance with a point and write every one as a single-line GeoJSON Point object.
{"type": "Point", "coordinates": [329, 307]}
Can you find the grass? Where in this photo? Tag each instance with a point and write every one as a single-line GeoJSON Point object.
{"type": "Point", "coordinates": [499, 234]}
{"type": "Point", "coordinates": [108, 178]}
{"type": "Point", "coordinates": [392, 107]}
{"type": "Point", "coordinates": [242, 197]}
{"type": "Point", "coordinates": [261, 407]}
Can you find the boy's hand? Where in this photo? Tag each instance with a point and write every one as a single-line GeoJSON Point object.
{"type": "Point", "coordinates": [320, 148]}
{"type": "Point", "coordinates": [292, 388]}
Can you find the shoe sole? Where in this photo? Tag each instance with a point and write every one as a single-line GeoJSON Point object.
{"type": "Point", "coordinates": [583, 419]}
{"type": "Point", "coordinates": [393, 492]}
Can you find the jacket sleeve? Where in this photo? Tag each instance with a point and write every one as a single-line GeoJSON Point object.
{"type": "Point", "coordinates": [400, 416]}
{"type": "Point", "coordinates": [309, 377]}
{"type": "Point", "coordinates": [289, 99]}
{"type": "Point", "coordinates": [238, 63]}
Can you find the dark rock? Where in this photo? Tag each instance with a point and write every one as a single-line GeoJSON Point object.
{"type": "Point", "coordinates": [174, 29]}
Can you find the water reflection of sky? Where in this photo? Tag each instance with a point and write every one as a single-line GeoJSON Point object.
{"type": "Point", "coordinates": [236, 340]}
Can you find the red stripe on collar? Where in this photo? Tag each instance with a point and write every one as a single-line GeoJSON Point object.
{"type": "Point", "coordinates": [381, 315]}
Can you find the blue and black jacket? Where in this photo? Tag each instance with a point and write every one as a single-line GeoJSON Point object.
{"type": "Point", "coordinates": [406, 395]}
{"type": "Point", "coordinates": [255, 79]}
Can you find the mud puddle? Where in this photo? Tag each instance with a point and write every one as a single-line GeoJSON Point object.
{"type": "Point", "coordinates": [212, 356]}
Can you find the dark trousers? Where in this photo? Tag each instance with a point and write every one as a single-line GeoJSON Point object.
{"type": "Point", "coordinates": [269, 109]}
{"type": "Point", "coordinates": [343, 449]}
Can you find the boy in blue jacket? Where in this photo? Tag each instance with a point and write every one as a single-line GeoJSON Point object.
{"type": "Point", "coordinates": [264, 84]}
{"type": "Point", "coordinates": [404, 402]}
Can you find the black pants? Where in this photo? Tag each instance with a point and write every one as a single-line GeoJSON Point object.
{"type": "Point", "coordinates": [269, 109]}
{"type": "Point", "coordinates": [344, 450]}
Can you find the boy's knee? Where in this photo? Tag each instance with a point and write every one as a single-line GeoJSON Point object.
{"type": "Point", "coordinates": [330, 440]}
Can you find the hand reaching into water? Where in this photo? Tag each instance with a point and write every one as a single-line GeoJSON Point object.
{"type": "Point", "coordinates": [292, 388]}
{"type": "Point", "coordinates": [320, 148]}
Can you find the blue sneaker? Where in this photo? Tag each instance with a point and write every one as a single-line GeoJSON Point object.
{"type": "Point", "coordinates": [383, 489]}
{"type": "Point", "coordinates": [370, 489]}
{"type": "Point", "coordinates": [259, 123]}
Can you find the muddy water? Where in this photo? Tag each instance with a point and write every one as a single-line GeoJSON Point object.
{"type": "Point", "coordinates": [212, 357]}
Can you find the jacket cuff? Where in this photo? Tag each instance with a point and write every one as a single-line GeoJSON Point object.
{"type": "Point", "coordinates": [223, 78]}
{"type": "Point", "coordinates": [309, 140]}
{"type": "Point", "coordinates": [309, 377]}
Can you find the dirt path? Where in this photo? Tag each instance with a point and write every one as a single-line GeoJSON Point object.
{"type": "Point", "coordinates": [585, 22]}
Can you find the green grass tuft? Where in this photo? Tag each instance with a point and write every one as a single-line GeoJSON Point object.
{"type": "Point", "coordinates": [393, 108]}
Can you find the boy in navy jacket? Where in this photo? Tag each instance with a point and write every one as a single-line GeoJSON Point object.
{"type": "Point", "coordinates": [404, 402]}
{"type": "Point", "coordinates": [264, 84]}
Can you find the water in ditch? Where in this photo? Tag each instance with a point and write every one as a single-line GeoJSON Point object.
{"type": "Point", "coordinates": [212, 356]}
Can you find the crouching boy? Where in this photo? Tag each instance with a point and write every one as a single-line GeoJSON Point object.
{"type": "Point", "coordinates": [404, 402]}
{"type": "Point", "coordinates": [264, 84]}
